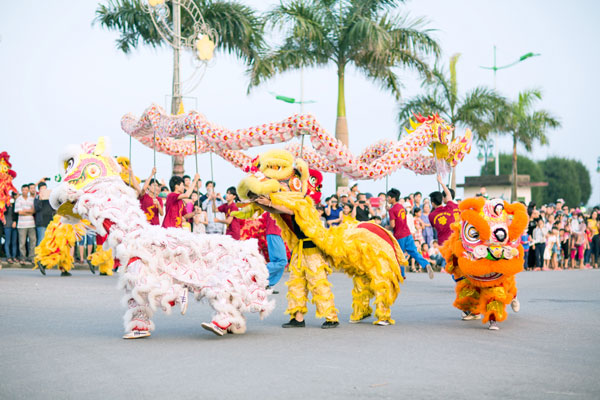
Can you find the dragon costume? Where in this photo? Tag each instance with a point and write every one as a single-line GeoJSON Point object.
{"type": "Point", "coordinates": [484, 254]}
{"type": "Point", "coordinates": [365, 251]}
{"type": "Point", "coordinates": [6, 186]}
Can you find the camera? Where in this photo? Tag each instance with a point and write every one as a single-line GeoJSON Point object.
{"type": "Point", "coordinates": [362, 202]}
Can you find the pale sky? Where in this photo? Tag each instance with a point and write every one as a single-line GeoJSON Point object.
{"type": "Point", "coordinates": [63, 81]}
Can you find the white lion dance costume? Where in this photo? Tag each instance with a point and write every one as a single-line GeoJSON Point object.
{"type": "Point", "coordinates": [365, 251]}
{"type": "Point", "coordinates": [158, 266]}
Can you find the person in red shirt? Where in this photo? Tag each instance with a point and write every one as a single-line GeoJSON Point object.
{"type": "Point", "coordinates": [397, 215]}
{"type": "Point", "coordinates": [151, 204]}
{"type": "Point", "coordinates": [174, 207]}
{"type": "Point", "coordinates": [443, 215]}
{"type": "Point", "coordinates": [233, 224]}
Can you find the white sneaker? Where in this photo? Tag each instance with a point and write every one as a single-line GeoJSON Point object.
{"type": "Point", "coordinates": [356, 321]}
{"type": "Point", "coordinates": [183, 301]}
{"type": "Point", "coordinates": [211, 326]}
{"type": "Point", "coordinates": [136, 334]}
{"type": "Point", "coordinates": [383, 323]}
{"type": "Point", "coordinates": [493, 326]}
{"type": "Point", "coordinates": [429, 271]}
{"type": "Point", "coordinates": [468, 316]}
{"type": "Point", "coordinates": [515, 305]}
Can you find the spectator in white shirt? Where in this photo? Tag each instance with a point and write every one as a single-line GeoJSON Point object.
{"type": "Point", "coordinates": [26, 224]}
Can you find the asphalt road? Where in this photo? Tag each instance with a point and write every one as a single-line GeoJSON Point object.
{"type": "Point", "coordinates": [60, 338]}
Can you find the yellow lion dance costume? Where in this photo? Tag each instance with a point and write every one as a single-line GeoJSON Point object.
{"type": "Point", "coordinates": [365, 251]}
{"type": "Point", "coordinates": [484, 254]}
{"type": "Point", "coordinates": [55, 249]}
{"type": "Point", "coordinates": [60, 238]}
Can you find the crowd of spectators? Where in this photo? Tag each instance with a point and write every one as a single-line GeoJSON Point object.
{"type": "Point", "coordinates": [558, 237]}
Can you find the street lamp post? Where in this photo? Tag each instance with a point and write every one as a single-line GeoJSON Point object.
{"type": "Point", "coordinates": [485, 151]}
{"type": "Point", "coordinates": [495, 68]}
{"type": "Point", "coordinates": [598, 168]}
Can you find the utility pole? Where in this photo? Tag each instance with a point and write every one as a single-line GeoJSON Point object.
{"type": "Point", "coordinates": [178, 161]}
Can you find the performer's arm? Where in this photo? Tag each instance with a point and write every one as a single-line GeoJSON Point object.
{"type": "Point", "coordinates": [190, 189]}
{"type": "Point", "coordinates": [147, 183]}
{"type": "Point", "coordinates": [447, 193]}
{"type": "Point", "coordinates": [266, 204]}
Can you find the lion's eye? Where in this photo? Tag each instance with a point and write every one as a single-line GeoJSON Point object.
{"type": "Point", "coordinates": [69, 164]}
{"type": "Point", "coordinates": [470, 233]}
{"type": "Point", "coordinates": [313, 180]}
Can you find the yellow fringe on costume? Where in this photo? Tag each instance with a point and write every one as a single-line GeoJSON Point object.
{"type": "Point", "coordinates": [55, 248]}
{"type": "Point", "coordinates": [308, 272]}
{"type": "Point", "coordinates": [103, 260]}
{"type": "Point", "coordinates": [357, 251]}
{"type": "Point", "coordinates": [487, 301]}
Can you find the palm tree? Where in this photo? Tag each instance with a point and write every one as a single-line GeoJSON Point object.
{"type": "Point", "coordinates": [525, 125]}
{"type": "Point", "coordinates": [475, 110]}
{"type": "Point", "coordinates": [238, 27]}
{"type": "Point", "coordinates": [362, 33]}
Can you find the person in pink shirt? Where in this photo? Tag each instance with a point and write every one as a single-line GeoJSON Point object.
{"type": "Point", "coordinates": [233, 224]}
{"type": "Point", "coordinates": [174, 213]}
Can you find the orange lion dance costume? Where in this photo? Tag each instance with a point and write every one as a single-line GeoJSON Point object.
{"type": "Point", "coordinates": [484, 254]}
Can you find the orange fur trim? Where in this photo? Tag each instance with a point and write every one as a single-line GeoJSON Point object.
{"type": "Point", "coordinates": [519, 221]}
{"type": "Point", "coordinates": [472, 203]}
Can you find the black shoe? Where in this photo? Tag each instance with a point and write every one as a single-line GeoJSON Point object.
{"type": "Point", "coordinates": [65, 273]}
{"type": "Point", "coordinates": [103, 273]}
{"type": "Point", "coordinates": [294, 324]}
{"type": "Point", "coordinates": [330, 324]}
{"type": "Point", "coordinates": [271, 287]}
{"type": "Point", "coordinates": [42, 268]}
{"type": "Point", "coordinates": [92, 268]}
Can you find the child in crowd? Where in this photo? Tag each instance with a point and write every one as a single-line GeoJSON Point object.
{"type": "Point", "coordinates": [347, 213]}
{"type": "Point", "coordinates": [564, 247]}
{"type": "Point", "coordinates": [200, 220]}
{"type": "Point", "coordinates": [436, 255]}
{"type": "Point", "coordinates": [525, 243]}
{"type": "Point", "coordinates": [552, 250]}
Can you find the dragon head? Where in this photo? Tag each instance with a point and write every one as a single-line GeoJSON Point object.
{"type": "Point", "coordinates": [274, 171]}
{"type": "Point", "coordinates": [486, 241]}
{"type": "Point", "coordinates": [83, 165]}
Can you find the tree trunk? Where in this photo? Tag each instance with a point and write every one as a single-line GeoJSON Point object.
{"type": "Point", "coordinates": [513, 192]}
{"type": "Point", "coordinates": [341, 124]}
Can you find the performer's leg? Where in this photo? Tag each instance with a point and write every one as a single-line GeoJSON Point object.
{"type": "Point", "coordinates": [137, 319]}
{"type": "Point", "coordinates": [467, 299]}
{"type": "Point", "coordinates": [316, 269]}
{"type": "Point", "coordinates": [297, 290]}
{"type": "Point", "coordinates": [277, 258]}
{"type": "Point", "coordinates": [361, 296]}
{"type": "Point", "coordinates": [226, 317]}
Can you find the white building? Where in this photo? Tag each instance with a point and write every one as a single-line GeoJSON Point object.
{"type": "Point", "coordinates": [499, 186]}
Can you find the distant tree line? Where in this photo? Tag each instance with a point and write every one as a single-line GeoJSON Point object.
{"type": "Point", "coordinates": [567, 179]}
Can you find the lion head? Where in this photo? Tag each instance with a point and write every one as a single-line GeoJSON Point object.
{"type": "Point", "coordinates": [485, 244]}
{"type": "Point", "coordinates": [274, 171]}
{"type": "Point", "coordinates": [83, 165]}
